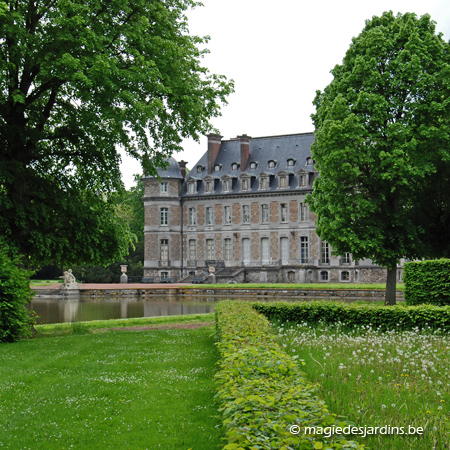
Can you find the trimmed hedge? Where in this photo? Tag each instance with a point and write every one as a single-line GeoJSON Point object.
{"type": "Point", "coordinates": [397, 317]}
{"type": "Point", "coordinates": [261, 390]}
{"type": "Point", "coordinates": [427, 282]}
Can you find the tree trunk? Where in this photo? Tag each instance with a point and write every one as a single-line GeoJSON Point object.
{"type": "Point", "coordinates": [391, 284]}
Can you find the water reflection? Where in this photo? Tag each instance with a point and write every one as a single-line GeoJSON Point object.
{"type": "Point", "coordinates": [61, 309]}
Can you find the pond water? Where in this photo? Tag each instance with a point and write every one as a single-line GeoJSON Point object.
{"type": "Point", "coordinates": [57, 309]}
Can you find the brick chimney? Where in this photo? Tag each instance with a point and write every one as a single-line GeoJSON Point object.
{"type": "Point", "coordinates": [214, 142]}
{"type": "Point", "coordinates": [182, 165]}
{"type": "Point", "coordinates": [245, 150]}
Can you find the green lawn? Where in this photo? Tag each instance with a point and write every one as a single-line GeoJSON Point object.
{"type": "Point", "coordinates": [375, 379]}
{"type": "Point", "coordinates": [110, 390]}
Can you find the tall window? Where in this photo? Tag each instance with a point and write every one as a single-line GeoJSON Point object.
{"type": "Point", "coordinates": [265, 213]}
{"type": "Point", "coordinates": [264, 183]}
{"type": "Point", "coordinates": [265, 257]}
{"type": "Point", "coordinates": [192, 216]}
{"type": "Point", "coordinates": [302, 180]}
{"type": "Point", "coordinates": [192, 250]}
{"type": "Point", "coordinates": [164, 186]}
{"type": "Point", "coordinates": [246, 214]}
{"type": "Point", "coordinates": [191, 187]}
{"type": "Point", "coordinates": [325, 253]}
{"type": "Point", "coordinates": [284, 212]}
{"type": "Point", "coordinates": [210, 249]}
{"type": "Point", "coordinates": [303, 212]}
{"type": "Point", "coordinates": [209, 186]}
{"type": "Point", "coordinates": [164, 251]}
{"type": "Point", "coordinates": [304, 249]}
{"type": "Point", "coordinates": [346, 258]}
{"type": "Point", "coordinates": [228, 251]}
{"type": "Point", "coordinates": [245, 184]}
{"type": "Point", "coordinates": [164, 218]}
{"type": "Point", "coordinates": [227, 214]}
{"type": "Point", "coordinates": [209, 215]}
{"type": "Point", "coordinates": [283, 182]}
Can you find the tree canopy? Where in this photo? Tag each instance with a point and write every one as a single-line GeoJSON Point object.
{"type": "Point", "coordinates": [382, 135]}
{"type": "Point", "coordinates": [78, 80]}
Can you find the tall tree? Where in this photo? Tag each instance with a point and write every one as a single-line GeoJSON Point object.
{"type": "Point", "coordinates": [382, 133]}
{"type": "Point", "coordinates": [78, 79]}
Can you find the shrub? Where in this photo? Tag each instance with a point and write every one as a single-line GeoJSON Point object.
{"type": "Point", "coordinates": [397, 317]}
{"type": "Point", "coordinates": [427, 282]}
{"type": "Point", "coordinates": [15, 293]}
{"type": "Point", "coordinates": [262, 391]}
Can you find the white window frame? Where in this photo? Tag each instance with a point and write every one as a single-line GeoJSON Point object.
{"type": "Point", "coordinates": [304, 249]}
{"type": "Point", "coordinates": [209, 215]}
{"type": "Point", "coordinates": [284, 212]}
{"type": "Point", "coordinates": [265, 213]}
{"type": "Point", "coordinates": [192, 217]}
{"type": "Point", "coordinates": [164, 216]}
{"type": "Point", "coordinates": [246, 213]}
{"type": "Point", "coordinates": [164, 187]}
{"type": "Point", "coordinates": [227, 214]}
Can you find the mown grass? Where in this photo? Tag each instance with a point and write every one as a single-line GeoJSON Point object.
{"type": "Point", "coordinates": [44, 282]}
{"type": "Point", "coordinates": [113, 390]}
{"type": "Point", "coordinates": [396, 379]}
{"type": "Point", "coordinates": [57, 329]}
{"type": "Point", "coordinates": [323, 286]}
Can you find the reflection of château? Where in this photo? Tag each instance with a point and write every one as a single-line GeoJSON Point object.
{"type": "Point", "coordinates": [241, 209]}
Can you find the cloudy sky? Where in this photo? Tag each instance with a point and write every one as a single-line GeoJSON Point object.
{"type": "Point", "coordinates": [279, 54]}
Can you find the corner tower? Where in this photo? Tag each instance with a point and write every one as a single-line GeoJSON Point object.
{"type": "Point", "coordinates": [162, 230]}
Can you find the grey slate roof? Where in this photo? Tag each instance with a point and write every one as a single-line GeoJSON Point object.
{"type": "Point", "coordinates": [172, 170]}
{"type": "Point", "coordinates": [262, 150]}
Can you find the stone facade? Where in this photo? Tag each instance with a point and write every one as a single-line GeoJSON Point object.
{"type": "Point", "coordinates": [241, 208]}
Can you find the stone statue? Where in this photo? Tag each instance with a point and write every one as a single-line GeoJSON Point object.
{"type": "Point", "coordinates": [69, 280]}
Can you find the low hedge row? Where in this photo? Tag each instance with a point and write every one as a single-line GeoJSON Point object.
{"type": "Point", "coordinates": [261, 390]}
{"type": "Point", "coordinates": [427, 282]}
{"type": "Point", "coordinates": [397, 317]}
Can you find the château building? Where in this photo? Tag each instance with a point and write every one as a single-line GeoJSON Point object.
{"type": "Point", "coordinates": [242, 209]}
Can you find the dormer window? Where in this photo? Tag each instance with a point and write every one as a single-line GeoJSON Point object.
{"type": "Point", "coordinates": [283, 181]}
{"type": "Point", "coordinates": [291, 162]}
{"type": "Point", "coordinates": [302, 180]}
{"type": "Point", "coordinates": [218, 167]}
{"type": "Point", "coordinates": [226, 185]}
{"type": "Point", "coordinates": [264, 183]}
{"type": "Point", "coordinates": [272, 164]}
{"type": "Point", "coordinates": [200, 169]}
{"type": "Point", "coordinates": [191, 187]}
{"type": "Point", "coordinates": [245, 184]}
{"type": "Point", "coordinates": [234, 166]}
{"type": "Point", "coordinates": [309, 161]}
{"type": "Point", "coordinates": [209, 186]}
{"type": "Point", "coordinates": [253, 165]}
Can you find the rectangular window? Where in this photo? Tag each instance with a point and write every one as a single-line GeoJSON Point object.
{"type": "Point", "coordinates": [264, 183]}
{"type": "Point", "coordinates": [283, 182]}
{"type": "Point", "coordinates": [284, 212]}
{"type": "Point", "coordinates": [192, 250]}
{"type": "Point", "coordinates": [228, 251]}
{"type": "Point", "coordinates": [346, 258]}
{"type": "Point", "coordinates": [209, 186]}
{"type": "Point", "coordinates": [191, 188]}
{"type": "Point", "coordinates": [304, 250]}
{"type": "Point", "coordinates": [210, 249]}
{"type": "Point", "coordinates": [246, 214]}
{"type": "Point", "coordinates": [192, 217]}
{"type": "Point", "coordinates": [303, 212]}
{"type": "Point", "coordinates": [227, 214]}
{"type": "Point", "coordinates": [245, 184]}
{"type": "Point", "coordinates": [302, 180]}
{"type": "Point", "coordinates": [325, 253]}
{"type": "Point", "coordinates": [265, 258]}
{"type": "Point", "coordinates": [164, 251]}
{"type": "Point", "coordinates": [164, 186]}
{"type": "Point", "coordinates": [209, 215]}
{"type": "Point", "coordinates": [264, 213]}
{"type": "Point", "coordinates": [164, 218]}
{"type": "Point", "coordinates": [226, 185]}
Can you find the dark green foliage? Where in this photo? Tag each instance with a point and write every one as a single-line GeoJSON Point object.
{"type": "Point", "coordinates": [383, 144]}
{"type": "Point", "coordinates": [262, 391]}
{"type": "Point", "coordinates": [398, 317]}
{"type": "Point", "coordinates": [15, 293]}
{"type": "Point", "coordinates": [427, 282]}
{"type": "Point", "coordinates": [80, 79]}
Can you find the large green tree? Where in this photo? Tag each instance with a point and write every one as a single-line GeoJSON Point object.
{"type": "Point", "coordinates": [78, 80]}
{"type": "Point", "coordinates": [382, 134]}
